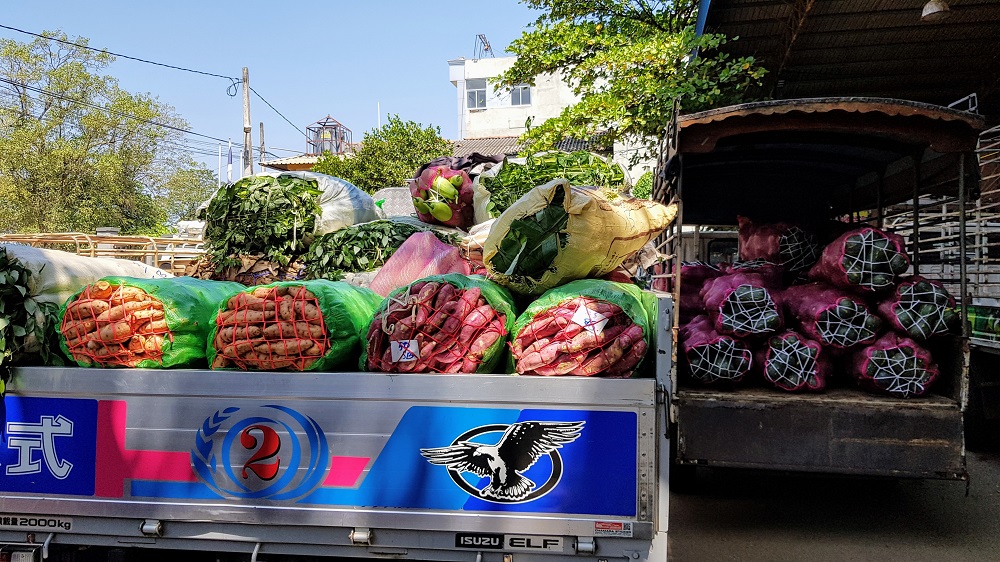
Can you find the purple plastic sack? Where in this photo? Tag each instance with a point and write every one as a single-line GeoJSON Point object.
{"type": "Point", "coordinates": [792, 362]}
{"type": "Point", "coordinates": [787, 245]}
{"type": "Point", "coordinates": [742, 304]}
{"type": "Point", "coordinates": [894, 365]}
{"type": "Point", "coordinates": [921, 308]}
{"type": "Point", "coordinates": [832, 317]}
{"type": "Point", "coordinates": [772, 273]}
{"type": "Point", "coordinates": [709, 357]}
{"type": "Point", "coordinates": [866, 258]}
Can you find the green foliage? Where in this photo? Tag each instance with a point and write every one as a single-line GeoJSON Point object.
{"type": "Point", "coordinates": [388, 156]}
{"type": "Point", "coordinates": [579, 168]}
{"type": "Point", "coordinates": [186, 189]}
{"type": "Point", "coordinates": [75, 153]}
{"type": "Point", "coordinates": [358, 248]}
{"type": "Point", "coordinates": [533, 242]}
{"type": "Point", "coordinates": [628, 61]}
{"type": "Point", "coordinates": [643, 186]}
{"type": "Point", "coordinates": [261, 215]}
{"type": "Point", "coordinates": [22, 317]}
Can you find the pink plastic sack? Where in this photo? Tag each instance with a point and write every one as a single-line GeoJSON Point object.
{"type": "Point", "coordinates": [444, 196]}
{"type": "Point", "coordinates": [709, 357]}
{"type": "Point", "coordinates": [831, 316]}
{"type": "Point", "coordinates": [742, 304]}
{"type": "Point", "coordinates": [787, 245]}
{"type": "Point", "coordinates": [422, 255]}
{"type": "Point", "coordinates": [773, 274]}
{"type": "Point", "coordinates": [894, 365]}
{"type": "Point", "coordinates": [865, 258]}
{"type": "Point", "coordinates": [921, 308]}
{"type": "Point", "coordinates": [792, 362]}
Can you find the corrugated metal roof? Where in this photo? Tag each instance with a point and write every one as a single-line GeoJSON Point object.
{"type": "Point", "coordinates": [874, 48]}
{"type": "Point", "coordinates": [299, 162]}
{"type": "Point", "coordinates": [487, 146]}
{"type": "Point", "coordinates": [508, 146]}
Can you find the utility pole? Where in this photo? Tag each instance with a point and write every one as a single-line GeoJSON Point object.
{"type": "Point", "coordinates": [262, 146]}
{"type": "Point", "coordinates": [247, 140]}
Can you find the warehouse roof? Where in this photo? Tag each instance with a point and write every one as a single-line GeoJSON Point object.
{"type": "Point", "coordinates": [876, 48]}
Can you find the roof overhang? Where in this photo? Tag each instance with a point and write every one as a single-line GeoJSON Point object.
{"type": "Point", "coordinates": [813, 159]}
{"type": "Point", "coordinates": [862, 48]}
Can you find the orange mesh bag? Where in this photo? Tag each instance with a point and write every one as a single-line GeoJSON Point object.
{"type": "Point", "coordinates": [147, 323]}
{"type": "Point", "coordinates": [295, 326]}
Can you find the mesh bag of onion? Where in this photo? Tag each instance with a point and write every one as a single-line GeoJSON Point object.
{"type": "Point", "coordinates": [864, 258]}
{"type": "Point", "coordinates": [794, 363]}
{"type": "Point", "coordinates": [742, 304]}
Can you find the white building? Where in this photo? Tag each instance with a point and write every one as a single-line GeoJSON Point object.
{"type": "Point", "coordinates": [484, 112]}
{"type": "Point", "coordinates": [489, 121]}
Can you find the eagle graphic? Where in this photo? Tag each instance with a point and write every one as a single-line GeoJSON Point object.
{"type": "Point", "coordinates": [521, 445]}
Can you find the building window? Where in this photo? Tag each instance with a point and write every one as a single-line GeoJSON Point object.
{"type": "Point", "coordinates": [520, 95]}
{"type": "Point", "coordinates": [476, 93]}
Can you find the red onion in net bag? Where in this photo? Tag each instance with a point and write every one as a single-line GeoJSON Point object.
{"type": "Point", "coordinates": [792, 362]}
{"type": "Point", "coordinates": [894, 365]}
{"type": "Point", "coordinates": [863, 258]}
{"type": "Point", "coordinates": [710, 357]}
{"type": "Point", "coordinates": [784, 244]}
{"type": "Point", "coordinates": [772, 273]}
{"type": "Point", "coordinates": [920, 308]}
{"type": "Point", "coordinates": [742, 304]}
{"type": "Point", "coordinates": [831, 316]}
{"type": "Point", "coordinates": [693, 278]}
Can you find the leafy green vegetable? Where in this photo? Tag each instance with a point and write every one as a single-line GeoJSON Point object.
{"type": "Point", "coordinates": [643, 186]}
{"type": "Point", "coordinates": [532, 243]}
{"type": "Point", "coordinates": [358, 248]}
{"type": "Point", "coordinates": [274, 216]}
{"type": "Point", "coordinates": [21, 317]}
{"type": "Point", "coordinates": [580, 168]}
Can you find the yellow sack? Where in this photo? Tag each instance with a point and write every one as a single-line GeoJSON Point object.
{"type": "Point", "coordinates": [558, 233]}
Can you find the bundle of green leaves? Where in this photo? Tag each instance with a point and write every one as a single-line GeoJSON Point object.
{"type": "Point", "coordinates": [359, 248]}
{"type": "Point", "coordinates": [21, 316]}
{"type": "Point", "coordinates": [273, 216]}
{"type": "Point", "coordinates": [580, 168]}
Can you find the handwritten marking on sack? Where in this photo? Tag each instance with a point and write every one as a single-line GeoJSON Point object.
{"type": "Point", "coordinates": [404, 350]}
{"type": "Point", "coordinates": [590, 320]}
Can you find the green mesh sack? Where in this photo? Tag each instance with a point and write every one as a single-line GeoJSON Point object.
{"type": "Point", "coordinates": [291, 325]}
{"type": "Point", "coordinates": [145, 323]}
{"type": "Point", "coordinates": [449, 323]}
{"type": "Point", "coordinates": [585, 328]}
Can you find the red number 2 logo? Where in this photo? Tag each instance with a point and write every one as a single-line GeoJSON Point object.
{"type": "Point", "coordinates": [268, 450]}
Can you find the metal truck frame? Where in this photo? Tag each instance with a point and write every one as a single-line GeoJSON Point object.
{"type": "Point", "coordinates": [872, 161]}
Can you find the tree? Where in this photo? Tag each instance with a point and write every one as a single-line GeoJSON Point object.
{"type": "Point", "coordinates": [77, 151]}
{"type": "Point", "coordinates": [627, 60]}
{"type": "Point", "coordinates": [388, 156]}
{"type": "Point", "coordinates": [186, 189]}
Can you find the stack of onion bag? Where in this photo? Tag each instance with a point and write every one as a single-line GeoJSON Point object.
{"type": "Point", "coordinates": [789, 246]}
{"type": "Point", "coordinates": [869, 261]}
{"type": "Point", "coordinates": [291, 325]}
{"type": "Point", "coordinates": [585, 328]}
{"type": "Point", "coordinates": [557, 233]}
{"type": "Point", "coordinates": [448, 323]}
{"type": "Point", "coordinates": [146, 323]}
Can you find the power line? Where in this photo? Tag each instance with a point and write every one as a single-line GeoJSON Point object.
{"type": "Point", "coordinates": [232, 86]}
{"type": "Point", "coordinates": [118, 54]}
{"type": "Point", "coordinates": [99, 108]}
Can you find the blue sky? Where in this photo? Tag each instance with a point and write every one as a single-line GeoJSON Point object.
{"type": "Point", "coordinates": [345, 59]}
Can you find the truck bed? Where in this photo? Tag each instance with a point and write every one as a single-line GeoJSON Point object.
{"type": "Point", "coordinates": [345, 464]}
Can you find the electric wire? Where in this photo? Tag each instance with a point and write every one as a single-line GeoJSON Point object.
{"type": "Point", "coordinates": [230, 90]}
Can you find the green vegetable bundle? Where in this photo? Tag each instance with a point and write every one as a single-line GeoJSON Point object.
{"type": "Point", "coordinates": [21, 316]}
{"type": "Point", "coordinates": [274, 216]}
{"type": "Point", "coordinates": [359, 248]}
{"type": "Point", "coordinates": [515, 177]}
